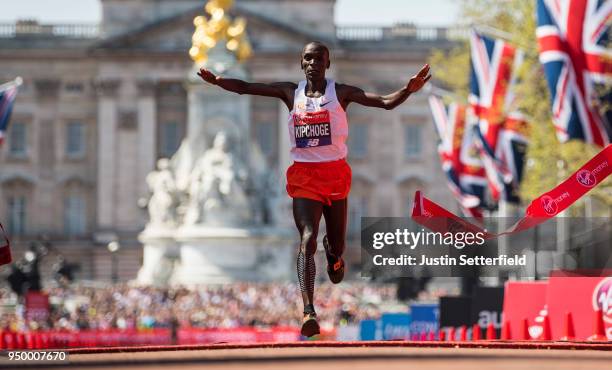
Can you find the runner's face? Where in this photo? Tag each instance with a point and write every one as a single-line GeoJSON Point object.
{"type": "Point", "coordinates": [314, 62]}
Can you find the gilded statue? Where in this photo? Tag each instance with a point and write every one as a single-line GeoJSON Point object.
{"type": "Point", "coordinates": [216, 29]}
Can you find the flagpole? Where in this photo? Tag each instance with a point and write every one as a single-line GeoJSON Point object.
{"type": "Point", "coordinates": [503, 213]}
{"type": "Point", "coordinates": [16, 82]}
{"type": "Point", "coordinates": [430, 88]}
{"type": "Point", "coordinates": [497, 33]}
{"type": "Point", "coordinates": [563, 227]}
{"type": "Point", "coordinates": [483, 28]}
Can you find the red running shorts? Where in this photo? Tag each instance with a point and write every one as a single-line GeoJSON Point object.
{"type": "Point", "coordinates": [320, 181]}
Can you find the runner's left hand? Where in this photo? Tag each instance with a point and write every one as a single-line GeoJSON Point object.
{"type": "Point", "coordinates": [418, 80]}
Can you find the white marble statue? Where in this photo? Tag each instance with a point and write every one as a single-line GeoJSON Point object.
{"type": "Point", "coordinates": [161, 205]}
{"type": "Point", "coordinates": [216, 191]}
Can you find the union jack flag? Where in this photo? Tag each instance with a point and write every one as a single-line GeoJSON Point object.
{"type": "Point", "coordinates": [8, 92]}
{"type": "Point", "coordinates": [501, 129]}
{"type": "Point", "coordinates": [574, 38]}
{"type": "Point", "coordinates": [5, 248]}
{"type": "Point", "coordinates": [460, 160]}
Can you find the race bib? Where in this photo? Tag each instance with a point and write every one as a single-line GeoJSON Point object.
{"type": "Point", "coordinates": [312, 129]}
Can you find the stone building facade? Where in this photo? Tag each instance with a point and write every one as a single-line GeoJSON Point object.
{"type": "Point", "coordinates": [101, 103]}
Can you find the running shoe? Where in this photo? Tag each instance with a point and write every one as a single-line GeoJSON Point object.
{"type": "Point", "coordinates": [310, 326]}
{"type": "Point", "coordinates": [335, 265]}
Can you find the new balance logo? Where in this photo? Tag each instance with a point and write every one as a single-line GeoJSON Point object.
{"type": "Point", "coordinates": [312, 142]}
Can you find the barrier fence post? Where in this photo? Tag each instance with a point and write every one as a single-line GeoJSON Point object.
{"type": "Point", "coordinates": [476, 334]}
{"type": "Point", "coordinates": [451, 334]}
{"type": "Point", "coordinates": [525, 330]}
{"type": "Point", "coordinates": [568, 327]}
{"type": "Point", "coordinates": [29, 340]}
{"type": "Point", "coordinates": [21, 342]}
{"type": "Point", "coordinates": [491, 332]}
{"type": "Point", "coordinates": [546, 333]}
{"type": "Point", "coordinates": [599, 333]}
{"type": "Point", "coordinates": [505, 333]}
{"type": "Point", "coordinates": [431, 336]}
{"type": "Point", "coordinates": [462, 333]}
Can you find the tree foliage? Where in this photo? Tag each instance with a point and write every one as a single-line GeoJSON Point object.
{"type": "Point", "coordinates": [548, 161]}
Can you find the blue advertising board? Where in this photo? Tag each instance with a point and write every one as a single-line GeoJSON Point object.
{"type": "Point", "coordinates": [368, 330]}
{"type": "Point", "coordinates": [425, 318]}
{"type": "Point", "coordinates": [395, 325]}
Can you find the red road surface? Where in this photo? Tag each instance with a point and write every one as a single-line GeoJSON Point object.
{"type": "Point", "coordinates": [389, 356]}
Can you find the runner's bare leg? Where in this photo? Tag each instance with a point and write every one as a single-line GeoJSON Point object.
{"type": "Point", "coordinates": [307, 214]}
{"type": "Point", "coordinates": [335, 221]}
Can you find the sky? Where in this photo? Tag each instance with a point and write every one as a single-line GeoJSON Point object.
{"type": "Point", "coordinates": [363, 12]}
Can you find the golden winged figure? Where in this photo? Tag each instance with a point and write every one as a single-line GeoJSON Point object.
{"type": "Point", "coordinates": [219, 27]}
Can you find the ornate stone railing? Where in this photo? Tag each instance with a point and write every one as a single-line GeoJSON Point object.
{"type": "Point", "coordinates": [399, 31]}
{"type": "Point", "coordinates": [349, 33]}
{"type": "Point", "coordinates": [25, 28]}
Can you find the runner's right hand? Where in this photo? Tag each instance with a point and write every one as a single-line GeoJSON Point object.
{"type": "Point", "coordinates": [207, 76]}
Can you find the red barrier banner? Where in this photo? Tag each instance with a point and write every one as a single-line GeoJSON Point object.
{"type": "Point", "coordinates": [157, 336]}
{"type": "Point", "coordinates": [581, 297]}
{"type": "Point", "coordinates": [111, 337]}
{"type": "Point", "coordinates": [564, 307]}
{"type": "Point", "coordinates": [433, 216]}
{"type": "Point", "coordinates": [238, 335]}
{"type": "Point", "coordinates": [525, 300]}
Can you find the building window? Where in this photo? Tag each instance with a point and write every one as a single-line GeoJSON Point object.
{"type": "Point", "coordinates": [74, 87]}
{"type": "Point", "coordinates": [75, 219]}
{"type": "Point", "coordinates": [75, 139]}
{"type": "Point", "coordinates": [413, 141]}
{"type": "Point", "coordinates": [169, 138]}
{"type": "Point", "coordinates": [358, 141]}
{"type": "Point", "coordinates": [16, 215]}
{"type": "Point", "coordinates": [18, 140]}
{"type": "Point", "coordinates": [265, 137]}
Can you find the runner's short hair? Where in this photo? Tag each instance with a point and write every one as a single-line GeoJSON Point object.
{"type": "Point", "coordinates": [318, 44]}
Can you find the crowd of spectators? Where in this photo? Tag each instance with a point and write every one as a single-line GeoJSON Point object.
{"type": "Point", "coordinates": [125, 306]}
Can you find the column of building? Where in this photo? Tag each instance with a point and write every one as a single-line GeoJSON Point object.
{"type": "Point", "coordinates": [147, 132]}
{"type": "Point", "coordinates": [45, 208]}
{"type": "Point", "coordinates": [107, 149]}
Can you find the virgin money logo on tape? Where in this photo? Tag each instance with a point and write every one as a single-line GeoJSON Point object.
{"type": "Point", "coordinates": [586, 178]}
{"type": "Point", "coordinates": [602, 298]}
{"type": "Point", "coordinates": [549, 205]}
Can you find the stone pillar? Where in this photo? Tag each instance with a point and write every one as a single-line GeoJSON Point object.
{"type": "Point", "coordinates": [210, 110]}
{"type": "Point", "coordinates": [284, 146]}
{"type": "Point", "coordinates": [284, 215]}
{"type": "Point", "coordinates": [147, 124]}
{"type": "Point", "coordinates": [44, 134]}
{"type": "Point", "coordinates": [107, 149]}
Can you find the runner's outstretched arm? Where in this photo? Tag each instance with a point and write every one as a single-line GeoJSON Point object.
{"type": "Point", "coordinates": [280, 90]}
{"type": "Point", "coordinates": [349, 94]}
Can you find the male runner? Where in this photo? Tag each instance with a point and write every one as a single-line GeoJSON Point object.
{"type": "Point", "coordinates": [319, 179]}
